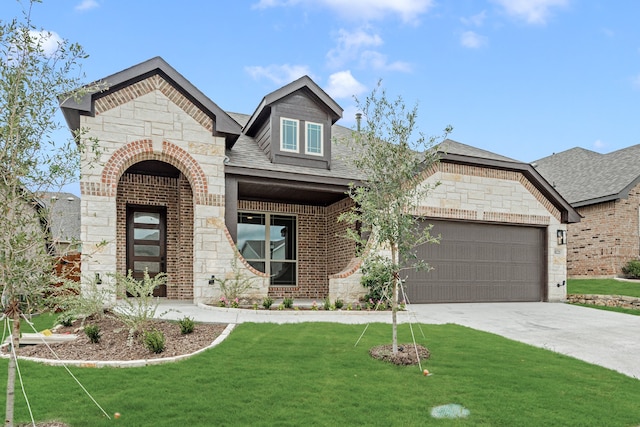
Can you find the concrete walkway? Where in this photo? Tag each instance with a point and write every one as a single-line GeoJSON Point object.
{"type": "Point", "coordinates": [604, 338]}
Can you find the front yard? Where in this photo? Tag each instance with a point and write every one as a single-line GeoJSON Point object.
{"type": "Point", "coordinates": [311, 373]}
{"type": "Point", "coordinates": [606, 287]}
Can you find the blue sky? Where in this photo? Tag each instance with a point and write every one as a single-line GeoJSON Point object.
{"type": "Point", "coordinates": [522, 78]}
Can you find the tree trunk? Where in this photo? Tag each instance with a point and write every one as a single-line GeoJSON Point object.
{"type": "Point", "coordinates": [394, 305]}
{"type": "Point", "coordinates": [11, 374]}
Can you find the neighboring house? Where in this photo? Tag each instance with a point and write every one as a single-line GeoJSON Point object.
{"type": "Point", "coordinates": [605, 190]}
{"type": "Point", "coordinates": [63, 211]}
{"type": "Point", "coordinates": [181, 183]}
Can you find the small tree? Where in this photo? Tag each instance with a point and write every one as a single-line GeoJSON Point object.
{"type": "Point", "coordinates": [35, 69]}
{"type": "Point", "coordinates": [392, 161]}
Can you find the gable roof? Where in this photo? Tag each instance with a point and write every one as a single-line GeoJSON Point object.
{"type": "Point", "coordinates": [466, 155]}
{"type": "Point", "coordinates": [222, 124]}
{"type": "Point", "coordinates": [303, 83]}
{"type": "Point", "coordinates": [585, 177]}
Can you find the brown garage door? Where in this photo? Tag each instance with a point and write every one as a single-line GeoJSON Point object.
{"type": "Point", "coordinates": [480, 263]}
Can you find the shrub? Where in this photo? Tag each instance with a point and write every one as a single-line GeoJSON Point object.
{"type": "Point", "coordinates": [327, 304]}
{"type": "Point", "coordinates": [377, 277]}
{"type": "Point", "coordinates": [65, 319]}
{"type": "Point", "coordinates": [236, 283]}
{"type": "Point", "coordinates": [138, 305]}
{"type": "Point", "coordinates": [338, 304]}
{"type": "Point", "coordinates": [154, 341]}
{"type": "Point", "coordinates": [267, 303]}
{"type": "Point", "coordinates": [93, 332]}
{"type": "Point", "coordinates": [632, 269]}
{"type": "Point", "coordinates": [187, 325]}
{"type": "Point", "coordinates": [81, 301]}
{"type": "Point", "coordinates": [288, 302]}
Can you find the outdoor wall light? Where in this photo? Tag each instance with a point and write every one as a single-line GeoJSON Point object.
{"type": "Point", "coordinates": [98, 279]}
{"type": "Point", "coordinates": [562, 237]}
{"type": "Point", "coordinates": [212, 281]}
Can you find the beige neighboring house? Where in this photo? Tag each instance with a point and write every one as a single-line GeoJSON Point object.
{"type": "Point", "coordinates": [181, 183]}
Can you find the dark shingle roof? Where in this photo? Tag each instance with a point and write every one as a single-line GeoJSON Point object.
{"type": "Point", "coordinates": [585, 177]}
{"type": "Point", "coordinates": [450, 146]}
{"type": "Point", "coordinates": [247, 154]}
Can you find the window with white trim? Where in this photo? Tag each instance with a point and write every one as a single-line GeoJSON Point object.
{"type": "Point", "coordinates": [289, 135]}
{"type": "Point", "coordinates": [313, 139]}
{"type": "Point", "coordinates": [267, 242]}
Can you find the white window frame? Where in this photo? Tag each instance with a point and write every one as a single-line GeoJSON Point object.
{"type": "Point", "coordinates": [306, 139]}
{"type": "Point", "coordinates": [297, 134]}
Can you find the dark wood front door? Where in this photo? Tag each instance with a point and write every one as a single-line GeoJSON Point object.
{"type": "Point", "coordinates": [146, 243]}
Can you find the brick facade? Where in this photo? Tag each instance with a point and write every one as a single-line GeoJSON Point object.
{"type": "Point", "coordinates": [605, 239]}
{"type": "Point", "coordinates": [175, 195]}
{"type": "Point", "coordinates": [322, 249]}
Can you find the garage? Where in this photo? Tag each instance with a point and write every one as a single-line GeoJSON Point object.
{"type": "Point", "coordinates": [480, 262]}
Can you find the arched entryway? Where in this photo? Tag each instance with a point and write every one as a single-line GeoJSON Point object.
{"type": "Point", "coordinates": [155, 211]}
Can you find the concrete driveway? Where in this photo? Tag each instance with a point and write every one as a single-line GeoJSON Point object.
{"type": "Point", "coordinates": [604, 338]}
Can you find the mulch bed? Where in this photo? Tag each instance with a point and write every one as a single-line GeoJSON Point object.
{"type": "Point", "coordinates": [406, 354]}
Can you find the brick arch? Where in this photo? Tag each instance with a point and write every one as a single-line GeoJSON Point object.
{"type": "Point", "coordinates": [141, 150]}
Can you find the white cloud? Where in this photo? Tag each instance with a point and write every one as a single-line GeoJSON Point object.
{"type": "Point", "coordinates": [279, 74]}
{"type": "Point", "coordinates": [475, 20]}
{"type": "Point", "coordinates": [352, 46]}
{"type": "Point", "coordinates": [361, 10]}
{"type": "Point", "coordinates": [48, 41]}
{"type": "Point", "coordinates": [473, 40]}
{"type": "Point", "coordinates": [343, 85]}
{"type": "Point", "coordinates": [378, 61]}
{"type": "Point", "coordinates": [531, 11]}
{"type": "Point", "coordinates": [349, 44]}
{"type": "Point", "coordinates": [87, 5]}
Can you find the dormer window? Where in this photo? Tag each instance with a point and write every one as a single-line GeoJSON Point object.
{"type": "Point", "coordinates": [289, 135]}
{"type": "Point", "coordinates": [313, 139]}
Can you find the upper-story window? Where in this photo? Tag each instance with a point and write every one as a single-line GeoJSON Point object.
{"type": "Point", "coordinates": [289, 135]}
{"type": "Point", "coordinates": [313, 139]}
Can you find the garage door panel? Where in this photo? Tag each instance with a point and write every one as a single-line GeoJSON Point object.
{"type": "Point", "coordinates": [480, 262]}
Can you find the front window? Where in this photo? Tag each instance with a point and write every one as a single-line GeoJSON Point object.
{"type": "Point", "coordinates": [289, 135]}
{"type": "Point", "coordinates": [270, 249]}
{"type": "Point", "coordinates": [314, 138]}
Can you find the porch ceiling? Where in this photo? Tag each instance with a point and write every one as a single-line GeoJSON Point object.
{"type": "Point", "coordinates": [296, 193]}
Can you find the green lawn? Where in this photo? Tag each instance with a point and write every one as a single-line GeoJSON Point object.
{"type": "Point", "coordinates": [311, 373]}
{"type": "Point", "coordinates": [603, 287]}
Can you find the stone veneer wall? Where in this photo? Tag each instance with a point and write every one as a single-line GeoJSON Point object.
{"type": "Point", "coordinates": [152, 120]}
{"type": "Point", "coordinates": [175, 195]}
{"type": "Point", "coordinates": [605, 239]}
{"type": "Point", "coordinates": [473, 193]}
